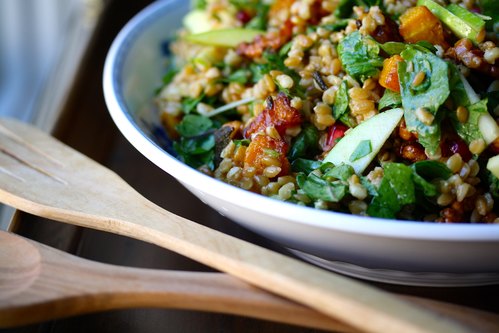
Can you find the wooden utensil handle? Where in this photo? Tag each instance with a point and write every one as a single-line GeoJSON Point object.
{"type": "Point", "coordinates": [97, 198]}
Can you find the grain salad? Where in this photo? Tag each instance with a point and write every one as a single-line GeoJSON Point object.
{"type": "Point", "coordinates": [378, 108]}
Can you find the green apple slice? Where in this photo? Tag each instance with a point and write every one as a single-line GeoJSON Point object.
{"type": "Point", "coordinates": [224, 37]}
{"type": "Point", "coordinates": [493, 165]}
{"type": "Point", "coordinates": [371, 133]}
{"type": "Point", "coordinates": [488, 127]}
{"type": "Point", "coordinates": [197, 21]}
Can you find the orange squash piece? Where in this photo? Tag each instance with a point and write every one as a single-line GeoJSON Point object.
{"type": "Point", "coordinates": [263, 145]}
{"type": "Point", "coordinates": [419, 24]}
{"type": "Point", "coordinates": [389, 77]}
{"type": "Point", "coordinates": [278, 113]}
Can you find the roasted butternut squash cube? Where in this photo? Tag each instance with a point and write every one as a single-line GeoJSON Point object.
{"type": "Point", "coordinates": [389, 77]}
{"type": "Point", "coordinates": [419, 24]}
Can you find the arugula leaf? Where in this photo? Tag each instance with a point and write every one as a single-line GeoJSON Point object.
{"type": "Point", "coordinates": [469, 130]}
{"type": "Point", "coordinates": [429, 94]}
{"type": "Point", "coordinates": [363, 148]}
{"type": "Point", "coordinates": [390, 100]}
{"type": "Point", "coordinates": [395, 191]}
{"type": "Point", "coordinates": [305, 144]}
{"type": "Point", "coordinates": [320, 189]}
{"type": "Point", "coordinates": [360, 56]}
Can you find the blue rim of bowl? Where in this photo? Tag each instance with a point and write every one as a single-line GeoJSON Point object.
{"type": "Point", "coordinates": [465, 232]}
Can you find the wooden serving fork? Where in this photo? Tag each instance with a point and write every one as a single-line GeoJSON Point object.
{"type": "Point", "coordinates": [42, 176]}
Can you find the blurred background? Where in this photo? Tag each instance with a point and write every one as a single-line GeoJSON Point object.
{"type": "Point", "coordinates": [42, 42]}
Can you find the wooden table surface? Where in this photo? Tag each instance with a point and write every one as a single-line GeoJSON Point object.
{"type": "Point", "coordinates": [85, 125]}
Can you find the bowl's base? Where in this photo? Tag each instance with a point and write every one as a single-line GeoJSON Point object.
{"type": "Point", "coordinates": [424, 279]}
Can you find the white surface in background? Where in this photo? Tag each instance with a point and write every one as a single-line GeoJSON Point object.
{"type": "Point", "coordinates": [41, 45]}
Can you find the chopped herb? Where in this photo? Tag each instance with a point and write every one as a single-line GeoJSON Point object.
{"type": "Point", "coordinates": [194, 125]}
{"type": "Point", "coordinates": [390, 99]}
{"type": "Point", "coordinates": [240, 76]}
{"type": "Point", "coordinates": [341, 172]}
{"type": "Point", "coordinates": [469, 130]}
{"type": "Point", "coordinates": [304, 165]}
{"type": "Point", "coordinates": [305, 144]}
{"type": "Point", "coordinates": [340, 107]}
{"type": "Point", "coordinates": [395, 191]}
{"type": "Point", "coordinates": [429, 95]}
{"type": "Point", "coordinates": [363, 149]}
{"type": "Point", "coordinates": [189, 104]}
{"type": "Point", "coordinates": [336, 26]}
{"type": "Point", "coordinates": [259, 21]}
{"type": "Point", "coordinates": [359, 56]}
{"type": "Point", "coordinates": [320, 189]}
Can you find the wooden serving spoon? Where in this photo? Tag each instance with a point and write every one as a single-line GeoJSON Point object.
{"type": "Point", "coordinates": [42, 176]}
{"type": "Point", "coordinates": [39, 283]}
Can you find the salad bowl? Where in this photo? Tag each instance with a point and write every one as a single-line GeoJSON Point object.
{"type": "Point", "coordinates": [393, 251]}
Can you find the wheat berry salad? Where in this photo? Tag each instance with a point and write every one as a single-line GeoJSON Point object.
{"type": "Point", "coordinates": [379, 108]}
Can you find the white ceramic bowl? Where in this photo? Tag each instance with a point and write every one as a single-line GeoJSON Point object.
{"type": "Point", "coordinates": [392, 251]}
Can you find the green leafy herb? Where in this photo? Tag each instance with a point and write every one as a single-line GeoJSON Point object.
{"type": "Point", "coordinates": [430, 169]}
{"type": "Point", "coordinates": [360, 56]}
{"type": "Point", "coordinates": [341, 172]}
{"type": "Point", "coordinates": [469, 130]}
{"type": "Point", "coordinates": [197, 143]}
{"type": "Point", "coordinates": [199, 4]}
{"type": "Point", "coordinates": [189, 104]}
{"type": "Point", "coordinates": [364, 148]}
{"type": "Point", "coordinates": [194, 125]}
{"type": "Point", "coordinates": [428, 95]}
{"type": "Point", "coordinates": [395, 191]}
{"type": "Point", "coordinates": [305, 166]}
{"type": "Point", "coordinates": [335, 26]}
{"type": "Point", "coordinates": [320, 189]}
{"type": "Point", "coordinates": [340, 106]}
{"type": "Point", "coordinates": [240, 76]}
{"type": "Point", "coordinates": [344, 8]}
{"type": "Point", "coordinates": [390, 100]}
{"type": "Point", "coordinates": [305, 144]}
{"type": "Point", "coordinates": [259, 21]}
{"type": "Point", "coordinates": [493, 185]}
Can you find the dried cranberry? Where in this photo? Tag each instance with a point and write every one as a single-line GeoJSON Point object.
{"type": "Point", "coordinates": [243, 16]}
{"type": "Point", "coordinates": [454, 144]}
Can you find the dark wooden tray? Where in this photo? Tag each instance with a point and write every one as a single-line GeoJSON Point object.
{"type": "Point", "coordinates": [85, 125]}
